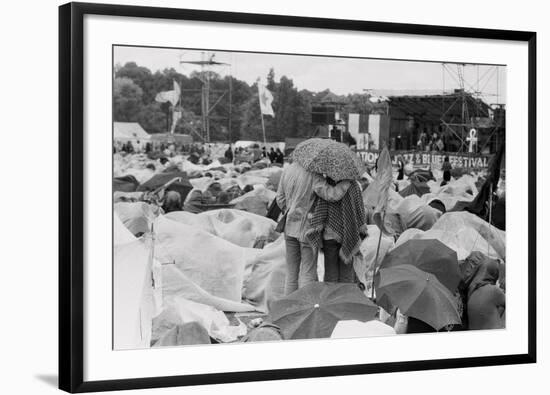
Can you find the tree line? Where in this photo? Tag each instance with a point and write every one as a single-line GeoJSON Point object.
{"type": "Point", "coordinates": [135, 88]}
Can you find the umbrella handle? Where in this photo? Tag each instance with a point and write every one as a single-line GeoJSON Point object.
{"type": "Point", "coordinates": [166, 185]}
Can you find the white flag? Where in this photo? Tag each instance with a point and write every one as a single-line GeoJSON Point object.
{"type": "Point", "coordinates": [177, 90]}
{"type": "Point", "coordinates": [266, 98]}
{"type": "Point", "coordinates": [172, 96]}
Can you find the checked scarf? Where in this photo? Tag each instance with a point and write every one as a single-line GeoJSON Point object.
{"type": "Point", "coordinates": [345, 217]}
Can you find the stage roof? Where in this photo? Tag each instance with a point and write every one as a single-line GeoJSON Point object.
{"type": "Point", "coordinates": [432, 108]}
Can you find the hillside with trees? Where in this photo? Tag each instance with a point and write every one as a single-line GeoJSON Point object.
{"type": "Point", "coordinates": [135, 88]}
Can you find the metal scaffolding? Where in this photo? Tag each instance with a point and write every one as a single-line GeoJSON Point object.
{"type": "Point", "coordinates": [470, 96]}
{"type": "Point", "coordinates": [206, 64]}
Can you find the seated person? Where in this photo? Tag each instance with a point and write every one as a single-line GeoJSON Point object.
{"type": "Point", "coordinates": [172, 202]}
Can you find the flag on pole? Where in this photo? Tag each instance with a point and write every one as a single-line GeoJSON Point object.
{"type": "Point", "coordinates": [177, 91]}
{"type": "Point", "coordinates": [266, 98]}
{"type": "Point", "coordinates": [172, 96]}
{"type": "Point", "coordinates": [380, 189]}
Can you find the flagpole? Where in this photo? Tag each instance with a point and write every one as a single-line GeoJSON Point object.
{"type": "Point", "coordinates": [172, 120]}
{"type": "Point", "coordinates": [376, 258]}
{"type": "Point", "coordinates": [261, 113]}
{"type": "Point", "coordinates": [263, 126]}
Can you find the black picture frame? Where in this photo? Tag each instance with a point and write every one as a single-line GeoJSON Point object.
{"type": "Point", "coordinates": [71, 198]}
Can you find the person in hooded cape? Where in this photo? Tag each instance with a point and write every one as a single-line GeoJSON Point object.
{"type": "Point", "coordinates": [484, 300]}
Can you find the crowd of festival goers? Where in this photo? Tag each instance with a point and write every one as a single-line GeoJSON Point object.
{"type": "Point", "coordinates": [201, 153]}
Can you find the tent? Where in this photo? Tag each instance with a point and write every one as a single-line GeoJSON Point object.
{"type": "Point", "coordinates": [184, 139]}
{"type": "Point", "coordinates": [130, 131]}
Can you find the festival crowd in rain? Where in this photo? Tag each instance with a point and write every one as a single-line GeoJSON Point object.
{"type": "Point", "coordinates": [257, 242]}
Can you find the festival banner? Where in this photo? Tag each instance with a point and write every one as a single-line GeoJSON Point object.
{"type": "Point", "coordinates": [426, 158]}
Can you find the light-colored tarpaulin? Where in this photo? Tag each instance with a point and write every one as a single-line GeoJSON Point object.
{"type": "Point", "coordinates": [463, 232]}
{"type": "Point", "coordinates": [239, 227]}
{"type": "Point", "coordinates": [349, 329]}
{"type": "Point", "coordinates": [137, 299]}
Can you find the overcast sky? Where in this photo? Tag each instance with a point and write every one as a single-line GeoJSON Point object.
{"type": "Point", "coordinates": [340, 75]}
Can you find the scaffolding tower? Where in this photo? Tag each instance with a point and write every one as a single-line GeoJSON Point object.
{"type": "Point", "coordinates": [207, 64]}
{"type": "Point", "coordinates": [470, 96]}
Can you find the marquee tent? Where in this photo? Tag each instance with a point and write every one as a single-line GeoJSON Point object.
{"type": "Point", "coordinates": [129, 131]}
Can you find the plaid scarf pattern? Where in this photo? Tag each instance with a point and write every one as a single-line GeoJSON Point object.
{"type": "Point", "coordinates": [345, 217]}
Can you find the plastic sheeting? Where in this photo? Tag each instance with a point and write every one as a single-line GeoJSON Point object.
{"type": "Point", "coordinates": [214, 264]}
{"type": "Point", "coordinates": [121, 234]}
{"type": "Point", "coordinates": [175, 284]}
{"type": "Point", "coordinates": [183, 334]}
{"type": "Point", "coordinates": [370, 197]}
{"type": "Point", "coordinates": [415, 213]}
{"type": "Point", "coordinates": [136, 295]}
{"type": "Point", "coordinates": [201, 183]}
{"type": "Point", "coordinates": [136, 216]}
{"type": "Point", "coordinates": [239, 227]}
{"type": "Point", "coordinates": [255, 181]}
{"type": "Point", "coordinates": [355, 329]}
{"type": "Point", "coordinates": [461, 190]}
{"type": "Point", "coordinates": [265, 275]}
{"type": "Point", "coordinates": [464, 233]}
{"type": "Point", "coordinates": [210, 270]}
{"type": "Point", "coordinates": [364, 264]}
{"type": "Point", "coordinates": [255, 201]}
{"type": "Point", "coordinates": [494, 237]}
{"type": "Point", "coordinates": [182, 311]}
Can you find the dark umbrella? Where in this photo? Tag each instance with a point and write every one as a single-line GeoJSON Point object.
{"type": "Point", "coordinates": [325, 156]}
{"type": "Point", "coordinates": [421, 175]}
{"type": "Point", "coordinates": [182, 185]}
{"type": "Point", "coordinates": [314, 310]}
{"type": "Point", "coordinates": [429, 255]}
{"type": "Point", "coordinates": [417, 294]}
{"type": "Point", "coordinates": [126, 183]}
{"type": "Point", "coordinates": [415, 188]}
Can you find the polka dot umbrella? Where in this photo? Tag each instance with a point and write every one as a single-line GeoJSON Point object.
{"type": "Point", "coordinates": [325, 156]}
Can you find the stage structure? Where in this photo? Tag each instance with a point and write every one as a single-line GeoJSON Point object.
{"type": "Point", "coordinates": [467, 116]}
{"type": "Point", "coordinates": [210, 98]}
{"type": "Point", "coordinates": [327, 116]}
{"type": "Point", "coordinates": [479, 109]}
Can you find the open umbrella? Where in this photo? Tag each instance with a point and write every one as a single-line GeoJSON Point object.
{"type": "Point", "coordinates": [415, 188]}
{"type": "Point", "coordinates": [325, 156]}
{"type": "Point", "coordinates": [313, 310]}
{"type": "Point", "coordinates": [417, 294]}
{"type": "Point", "coordinates": [429, 255]}
{"type": "Point", "coordinates": [181, 185]}
{"type": "Point", "coordinates": [421, 175]}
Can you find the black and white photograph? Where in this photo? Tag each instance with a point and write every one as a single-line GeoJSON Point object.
{"type": "Point", "coordinates": [267, 197]}
{"type": "Point", "coordinates": [257, 197]}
